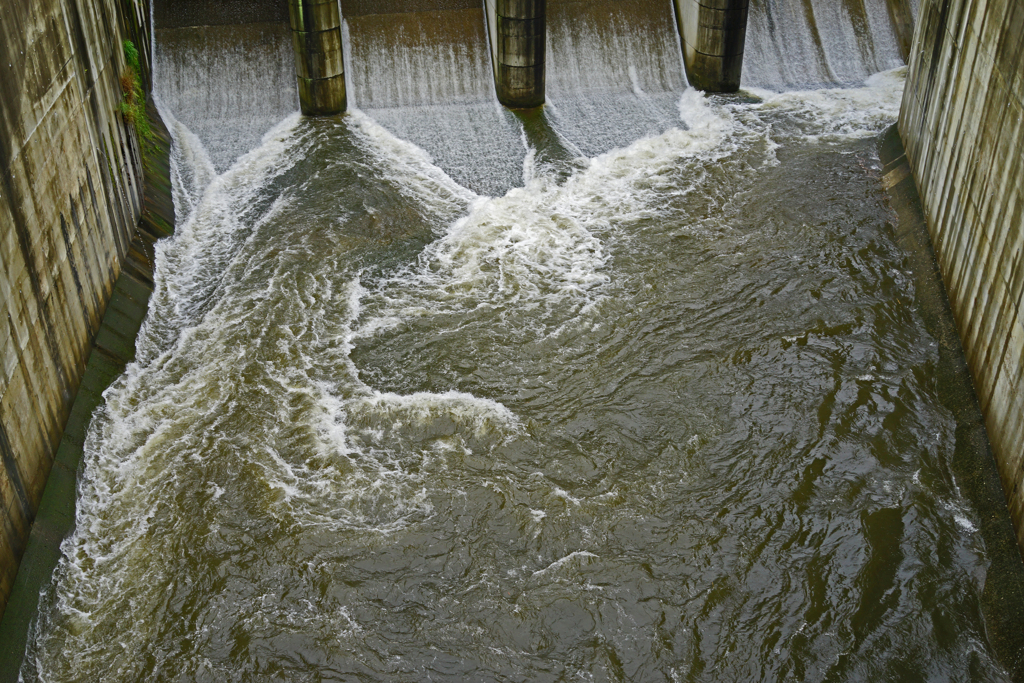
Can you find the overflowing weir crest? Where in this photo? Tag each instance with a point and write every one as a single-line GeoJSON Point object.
{"type": "Point", "coordinates": [428, 74]}
{"type": "Point", "coordinates": [815, 43]}
{"type": "Point", "coordinates": [226, 84]}
{"type": "Point", "coordinates": [631, 386]}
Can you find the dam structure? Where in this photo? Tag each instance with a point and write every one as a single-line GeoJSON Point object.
{"type": "Point", "coordinates": [541, 340]}
{"type": "Point", "coordinates": [319, 58]}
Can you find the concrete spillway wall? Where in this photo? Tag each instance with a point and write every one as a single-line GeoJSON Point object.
{"type": "Point", "coordinates": [71, 192]}
{"type": "Point", "coordinates": [962, 123]}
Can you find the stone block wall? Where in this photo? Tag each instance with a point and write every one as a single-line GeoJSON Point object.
{"type": "Point", "coordinates": [962, 123]}
{"type": "Point", "coordinates": [70, 196]}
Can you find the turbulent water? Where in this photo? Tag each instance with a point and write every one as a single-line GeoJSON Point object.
{"type": "Point", "coordinates": [659, 412]}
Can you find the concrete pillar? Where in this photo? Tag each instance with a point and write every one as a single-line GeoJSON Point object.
{"type": "Point", "coordinates": [518, 44]}
{"type": "Point", "coordinates": [316, 37]}
{"type": "Point", "coordinates": [713, 33]}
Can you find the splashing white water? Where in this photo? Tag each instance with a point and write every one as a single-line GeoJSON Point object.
{"type": "Point", "coordinates": [833, 113]}
{"type": "Point", "coordinates": [541, 245]}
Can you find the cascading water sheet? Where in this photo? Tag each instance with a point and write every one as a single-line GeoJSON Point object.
{"type": "Point", "coordinates": [253, 87]}
{"type": "Point", "coordinates": [816, 43]}
{"type": "Point", "coordinates": [614, 69]}
{"type": "Point", "coordinates": [426, 76]}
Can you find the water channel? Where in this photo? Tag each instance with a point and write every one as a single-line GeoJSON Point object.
{"type": "Point", "coordinates": [632, 388]}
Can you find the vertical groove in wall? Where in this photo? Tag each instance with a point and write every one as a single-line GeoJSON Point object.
{"type": "Point", "coordinates": [10, 464]}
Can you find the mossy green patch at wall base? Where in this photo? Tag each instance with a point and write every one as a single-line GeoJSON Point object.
{"type": "Point", "coordinates": [133, 103]}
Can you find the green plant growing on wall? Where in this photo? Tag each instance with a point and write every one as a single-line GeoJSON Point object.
{"type": "Point", "coordinates": [133, 100]}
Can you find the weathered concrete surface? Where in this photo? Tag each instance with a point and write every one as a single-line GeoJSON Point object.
{"type": "Point", "coordinates": [113, 349]}
{"type": "Point", "coordinates": [973, 462]}
{"type": "Point", "coordinates": [713, 34]}
{"type": "Point", "coordinates": [319, 67]}
{"type": "Point", "coordinates": [70, 195]}
{"type": "Point", "coordinates": [962, 121]}
{"type": "Point", "coordinates": [517, 30]}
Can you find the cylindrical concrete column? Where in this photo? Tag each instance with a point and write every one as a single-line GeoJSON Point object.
{"type": "Point", "coordinates": [713, 32]}
{"type": "Point", "coordinates": [316, 37]}
{"type": "Point", "coordinates": [519, 53]}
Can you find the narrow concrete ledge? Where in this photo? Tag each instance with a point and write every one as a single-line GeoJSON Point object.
{"type": "Point", "coordinates": [974, 463]}
{"type": "Point", "coordinates": [113, 348]}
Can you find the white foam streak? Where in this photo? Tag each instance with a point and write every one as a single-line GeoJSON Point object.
{"type": "Point", "coordinates": [542, 245]}
{"type": "Point", "coordinates": [423, 408]}
{"type": "Point", "coordinates": [578, 557]}
{"type": "Point", "coordinates": [410, 168]}
{"type": "Point", "coordinates": [834, 112]}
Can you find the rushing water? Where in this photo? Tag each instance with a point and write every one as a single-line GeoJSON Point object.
{"type": "Point", "coordinates": [812, 43]}
{"type": "Point", "coordinates": [625, 89]}
{"type": "Point", "coordinates": [660, 413]}
{"type": "Point", "coordinates": [407, 72]}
